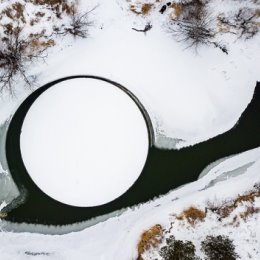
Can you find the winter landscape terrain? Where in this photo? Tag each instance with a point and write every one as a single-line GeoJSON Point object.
{"type": "Point", "coordinates": [194, 65]}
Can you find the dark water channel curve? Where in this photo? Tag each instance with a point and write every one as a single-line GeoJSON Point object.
{"type": "Point", "coordinates": [164, 169]}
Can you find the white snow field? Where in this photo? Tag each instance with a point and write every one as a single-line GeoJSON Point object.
{"type": "Point", "coordinates": [210, 88]}
{"type": "Point", "coordinates": [84, 135]}
{"type": "Point", "coordinates": [117, 237]}
{"type": "Point", "coordinates": [189, 96]}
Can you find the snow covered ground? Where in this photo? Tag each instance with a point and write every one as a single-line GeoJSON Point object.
{"type": "Point", "coordinates": [190, 97]}
{"type": "Point", "coordinates": [210, 88]}
{"type": "Point", "coordinates": [117, 238]}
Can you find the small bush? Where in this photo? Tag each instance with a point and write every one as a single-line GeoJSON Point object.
{"type": "Point", "coordinates": [219, 247]}
{"type": "Point", "coordinates": [178, 250]}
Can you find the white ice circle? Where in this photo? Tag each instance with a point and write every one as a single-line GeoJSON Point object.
{"type": "Point", "coordinates": [84, 142]}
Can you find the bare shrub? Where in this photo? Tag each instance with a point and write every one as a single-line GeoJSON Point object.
{"type": "Point", "coordinates": [193, 32]}
{"type": "Point", "coordinates": [243, 23]}
{"type": "Point", "coordinates": [19, 48]}
{"type": "Point", "coordinates": [15, 53]}
{"type": "Point", "coordinates": [219, 247]}
{"type": "Point", "coordinates": [78, 26]}
{"type": "Point", "coordinates": [191, 24]}
{"type": "Point", "coordinates": [150, 238]}
{"type": "Point", "coordinates": [178, 249]}
{"type": "Point", "coordinates": [225, 208]}
{"type": "Point", "coordinates": [250, 210]}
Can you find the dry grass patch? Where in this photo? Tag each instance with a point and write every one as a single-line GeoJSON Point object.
{"type": "Point", "coordinates": [41, 44]}
{"type": "Point", "coordinates": [250, 211]}
{"type": "Point", "coordinates": [150, 238]}
{"type": "Point", "coordinates": [227, 207]}
{"type": "Point", "coordinates": [192, 215]}
{"type": "Point", "coordinates": [178, 9]}
{"type": "Point", "coordinates": [141, 9]}
{"type": "Point", "coordinates": [14, 12]}
{"type": "Point", "coordinates": [146, 8]}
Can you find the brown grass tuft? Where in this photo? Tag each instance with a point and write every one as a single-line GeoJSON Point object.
{"type": "Point", "coordinates": [251, 210]}
{"type": "Point", "coordinates": [15, 12]}
{"type": "Point", "coordinates": [192, 215]}
{"type": "Point", "coordinates": [146, 8]}
{"type": "Point", "coordinates": [226, 208]}
{"type": "Point", "coordinates": [41, 44]}
{"type": "Point", "coordinates": [250, 197]}
{"type": "Point", "coordinates": [134, 9]}
{"type": "Point", "coordinates": [178, 9]}
{"type": "Point", "coordinates": [150, 238]}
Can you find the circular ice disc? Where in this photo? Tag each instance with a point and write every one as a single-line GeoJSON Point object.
{"type": "Point", "coordinates": [84, 142]}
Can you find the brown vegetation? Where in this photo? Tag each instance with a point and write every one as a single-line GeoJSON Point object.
{"type": "Point", "coordinates": [227, 207]}
{"type": "Point", "coordinates": [193, 9]}
{"type": "Point", "coordinates": [141, 9]}
{"type": "Point", "coordinates": [250, 210]}
{"type": "Point", "coordinates": [178, 9]}
{"type": "Point", "coordinates": [178, 249]}
{"type": "Point", "coordinates": [243, 23]}
{"type": "Point", "coordinates": [20, 47]}
{"type": "Point", "coordinates": [150, 238]}
{"type": "Point", "coordinates": [192, 215]}
{"type": "Point", "coordinates": [14, 12]}
{"type": "Point", "coordinates": [146, 8]}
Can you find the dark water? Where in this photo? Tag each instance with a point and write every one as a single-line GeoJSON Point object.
{"type": "Point", "coordinates": [163, 171]}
